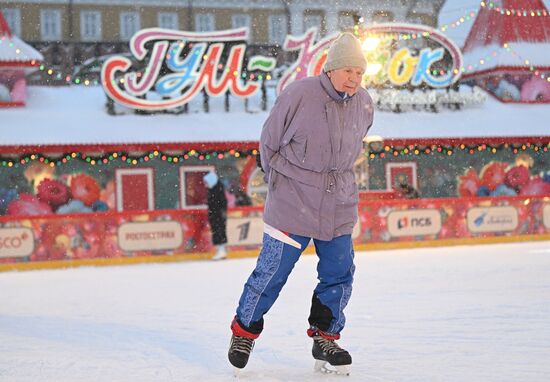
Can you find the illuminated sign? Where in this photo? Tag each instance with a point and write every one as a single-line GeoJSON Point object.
{"type": "Point", "coordinates": [414, 222]}
{"type": "Point", "coordinates": [16, 242]}
{"type": "Point", "coordinates": [397, 54]}
{"type": "Point", "coordinates": [492, 219]}
{"type": "Point", "coordinates": [181, 64]}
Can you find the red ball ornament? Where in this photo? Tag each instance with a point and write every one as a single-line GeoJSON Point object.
{"type": "Point", "coordinates": [517, 177]}
{"type": "Point", "coordinates": [28, 205]}
{"type": "Point", "coordinates": [53, 192]}
{"type": "Point", "coordinates": [492, 175]}
{"type": "Point", "coordinates": [536, 187]}
{"type": "Point", "coordinates": [468, 183]}
{"type": "Point", "coordinates": [85, 189]}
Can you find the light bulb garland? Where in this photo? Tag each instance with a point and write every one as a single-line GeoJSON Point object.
{"type": "Point", "coordinates": [492, 6]}
{"type": "Point", "coordinates": [123, 157]}
{"type": "Point", "coordinates": [449, 150]}
{"type": "Point", "coordinates": [385, 152]}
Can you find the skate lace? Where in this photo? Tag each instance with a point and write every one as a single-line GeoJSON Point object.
{"type": "Point", "coordinates": [242, 344]}
{"type": "Point", "coordinates": [328, 346]}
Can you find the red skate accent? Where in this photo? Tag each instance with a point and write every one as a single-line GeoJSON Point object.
{"type": "Point", "coordinates": [240, 332]}
{"type": "Point", "coordinates": [329, 336]}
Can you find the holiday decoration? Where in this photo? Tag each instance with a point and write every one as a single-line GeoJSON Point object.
{"type": "Point", "coordinates": [536, 187]}
{"type": "Point", "coordinates": [517, 177]}
{"type": "Point", "coordinates": [502, 54]}
{"type": "Point", "coordinates": [468, 184]}
{"type": "Point", "coordinates": [17, 59]}
{"type": "Point", "coordinates": [6, 196]}
{"type": "Point", "coordinates": [53, 192]}
{"type": "Point", "coordinates": [492, 175]}
{"type": "Point", "coordinates": [85, 189]}
{"type": "Point", "coordinates": [188, 76]}
{"type": "Point", "coordinates": [28, 205]}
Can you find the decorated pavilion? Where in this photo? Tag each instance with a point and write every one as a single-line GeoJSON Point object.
{"type": "Point", "coordinates": [506, 51]}
{"type": "Point", "coordinates": [17, 59]}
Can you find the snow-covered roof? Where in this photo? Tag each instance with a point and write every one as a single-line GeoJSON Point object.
{"type": "Point", "coordinates": [14, 52]}
{"type": "Point", "coordinates": [509, 33]}
{"type": "Point", "coordinates": [76, 115]}
{"type": "Point", "coordinates": [509, 21]}
{"type": "Point", "coordinates": [522, 55]}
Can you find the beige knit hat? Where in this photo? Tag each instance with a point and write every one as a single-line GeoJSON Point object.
{"type": "Point", "coordinates": [345, 51]}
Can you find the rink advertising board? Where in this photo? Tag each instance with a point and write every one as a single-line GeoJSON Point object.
{"type": "Point", "coordinates": [150, 236]}
{"type": "Point", "coordinates": [414, 222]}
{"type": "Point", "coordinates": [492, 219]}
{"type": "Point", "coordinates": [250, 231]}
{"type": "Point", "coordinates": [245, 231]}
{"type": "Point", "coordinates": [16, 242]}
{"type": "Point", "coordinates": [127, 235]}
{"type": "Point", "coordinates": [546, 216]}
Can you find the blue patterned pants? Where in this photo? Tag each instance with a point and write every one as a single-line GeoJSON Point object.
{"type": "Point", "coordinates": [276, 260]}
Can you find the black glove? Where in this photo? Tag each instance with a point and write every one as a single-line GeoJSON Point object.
{"type": "Point", "coordinates": [259, 161]}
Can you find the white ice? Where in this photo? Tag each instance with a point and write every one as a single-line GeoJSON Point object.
{"type": "Point", "coordinates": [469, 313]}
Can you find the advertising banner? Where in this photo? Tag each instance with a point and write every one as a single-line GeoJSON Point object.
{"type": "Point", "coordinates": [179, 232]}
{"type": "Point", "coordinates": [546, 216]}
{"type": "Point", "coordinates": [150, 236]}
{"type": "Point", "coordinates": [245, 231]}
{"type": "Point", "coordinates": [492, 219]}
{"type": "Point", "coordinates": [16, 242]}
{"type": "Point", "coordinates": [414, 222]}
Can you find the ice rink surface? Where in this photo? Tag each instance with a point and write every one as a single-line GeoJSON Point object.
{"type": "Point", "coordinates": [455, 314]}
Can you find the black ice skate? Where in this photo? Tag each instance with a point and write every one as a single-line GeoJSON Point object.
{"type": "Point", "coordinates": [327, 351]}
{"type": "Point", "coordinates": [239, 351]}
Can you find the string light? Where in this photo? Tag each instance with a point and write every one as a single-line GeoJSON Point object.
{"type": "Point", "coordinates": [514, 11]}
{"type": "Point", "coordinates": [124, 157]}
{"type": "Point", "coordinates": [447, 150]}
{"type": "Point", "coordinates": [410, 150]}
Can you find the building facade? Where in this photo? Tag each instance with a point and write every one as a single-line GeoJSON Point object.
{"type": "Point", "coordinates": [68, 32]}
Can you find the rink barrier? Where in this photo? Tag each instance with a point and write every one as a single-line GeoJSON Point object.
{"type": "Point", "coordinates": [116, 238]}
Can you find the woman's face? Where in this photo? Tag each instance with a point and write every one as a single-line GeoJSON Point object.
{"type": "Point", "coordinates": [347, 79]}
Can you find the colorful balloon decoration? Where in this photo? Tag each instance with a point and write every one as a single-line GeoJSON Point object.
{"type": "Point", "coordinates": [28, 204]}
{"type": "Point", "coordinates": [85, 189]}
{"type": "Point", "coordinates": [468, 184]}
{"type": "Point", "coordinates": [493, 175]}
{"type": "Point", "coordinates": [536, 89]}
{"type": "Point", "coordinates": [517, 177]}
{"type": "Point", "coordinates": [536, 187]}
{"type": "Point", "coordinates": [53, 192]}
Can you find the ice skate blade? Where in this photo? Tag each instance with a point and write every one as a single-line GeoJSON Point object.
{"type": "Point", "coordinates": [326, 368]}
{"type": "Point", "coordinates": [236, 372]}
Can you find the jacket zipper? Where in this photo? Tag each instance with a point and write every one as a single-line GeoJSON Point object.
{"type": "Point", "coordinates": [341, 129]}
{"type": "Point", "coordinates": [305, 153]}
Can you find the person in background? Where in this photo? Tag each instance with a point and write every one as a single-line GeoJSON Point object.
{"type": "Point", "coordinates": [407, 191]}
{"type": "Point", "coordinates": [217, 213]}
{"type": "Point", "coordinates": [308, 148]}
{"type": "Point", "coordinates": [241, 197]}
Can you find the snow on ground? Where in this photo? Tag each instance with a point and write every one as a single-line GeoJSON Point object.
{"type": "Point", "coordinates": [76, 115]}
{"type": "Point", "coordinates": [470, 313]}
